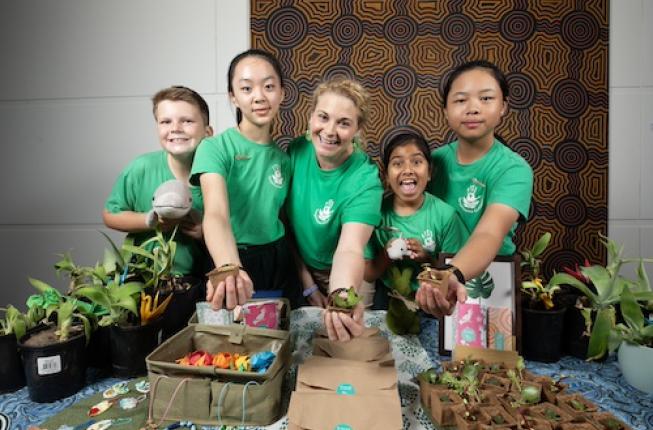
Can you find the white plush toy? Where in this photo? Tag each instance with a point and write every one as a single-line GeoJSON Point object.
{"type": "Point", "coordinates": [171, 200]}
{"type": "Point", "coordinates": [397, 248]}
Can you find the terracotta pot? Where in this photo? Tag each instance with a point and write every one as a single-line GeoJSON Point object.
{"type": "Point", "coordinates": [426, 390]}
{"type": "Point", "coordinates": [468, 419]}
{"type": "Point", "coordinates": [552, 413]}
{"type": "Point", "coordinates": [495, 383]}
{"type": "Point", "coordinates": [532, 423]}
{"type": "Point", "coordinates": [550, 388]}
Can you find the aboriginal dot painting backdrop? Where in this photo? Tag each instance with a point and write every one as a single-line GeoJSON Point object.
{"type": "Point", "coordinates": [554, 52]}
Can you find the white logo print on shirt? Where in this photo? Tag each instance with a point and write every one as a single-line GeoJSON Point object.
{"type": "Point", "coordinates": [471, 202]}
{"type": "Point", "coordinates": [276, 178]}
{"type": "Point", "coordinates": [427, 240]}
{"type": "Point", "coordinates": [323, 215]}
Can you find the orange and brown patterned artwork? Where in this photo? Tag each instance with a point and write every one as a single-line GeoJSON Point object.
{"type": "Point", "coordinates": [555, 55]}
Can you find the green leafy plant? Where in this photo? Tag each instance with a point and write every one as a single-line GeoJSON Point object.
{"type": "Point", "coordinates": [153, 267]}
{"type": "Point", "coordinates": [541, 294]}
{"type": "Point", "coordinates": [635, 330]}
{"type": "Point", "coordinates": [66, 310]}
{"type": "Point", "coordinates": [529, 394]}
{"type": "Point", "coordinates": [607, 289]}
{"type": "Point", "coordinates": [114, 302]}
{"type": "Point", "coordinates": [14, 322]}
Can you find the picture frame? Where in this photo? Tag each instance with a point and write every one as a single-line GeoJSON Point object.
{"type": "Point", "coordinates": [505, 273]}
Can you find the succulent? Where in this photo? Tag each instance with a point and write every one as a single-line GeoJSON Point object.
{"type": "Point", "coordinates": [344, 298]}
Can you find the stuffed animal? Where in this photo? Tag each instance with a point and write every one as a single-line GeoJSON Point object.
{"type": "Point", "coordinates": [171, 200]}
{"type": "Point", "coordinates": [397, 248]}
{"type": "Point", "coordinates": [402, 317]}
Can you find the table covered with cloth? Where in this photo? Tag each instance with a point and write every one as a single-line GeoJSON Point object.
{"type": "Point", "coordinates": [602, 383]}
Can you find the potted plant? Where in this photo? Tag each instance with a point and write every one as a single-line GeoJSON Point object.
{"type": "Point", "coordinates": [634, 338]}
{"type": "Point", "coordinates": [12, 327]}
{"type": "Point", "coordinates": [542, 320]}
{"type": "Point", "coordinates": [54, 356]}
{"type": "Point", "coordinates": [603, 290]}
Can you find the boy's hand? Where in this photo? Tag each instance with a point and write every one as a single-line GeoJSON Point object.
{"type": "Point", "coordinates": [230, 292]}
{"type": "Point", "coordinates": [191, 225]}
{"type": "Point", "coordinates": [167, 224]}
{"type": "Point", "coordinates": [431, 301]}
{"type": "Point", "coordinates": [343, 327]}
{"type": "Point", "coordinates": [417, 253]}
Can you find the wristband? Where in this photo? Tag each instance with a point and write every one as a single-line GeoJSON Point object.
{"type": "Point", "coordinates": [453, 269]}
{"type": "Point", "coordinates": [310, 290]}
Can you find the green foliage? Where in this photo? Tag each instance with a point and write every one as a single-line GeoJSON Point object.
{"type": "Point", "coordinates": [608, 288]}
{"type": "Point", "coordinates": [14, 322]}
{"type": "Point", "coordinates": [635, 330]}
{"type": "Point", "coordinates": [541, 294]}
{"type": "Point", "coordinates": [50, 303]}
{"type": "Point", "coordinates": [153, 267]}
{"type": "Point", "coordinates": [345, 298]}
{"type": "Point", "coordinates": [114, 302]}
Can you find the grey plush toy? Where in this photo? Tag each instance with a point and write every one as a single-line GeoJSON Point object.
{"type": "Point", "coordinates": [171, 200]}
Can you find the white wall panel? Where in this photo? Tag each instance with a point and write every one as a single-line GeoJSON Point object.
{"type": "Point", "coordinates": [31, 252]}
{"type": "Point", "coordinates": [626, 43]}
{"type": "Point", "coordinates": [92, 48]}
{"type": "Point", "coordinates": [67, 154]}
{"type": "Point", "coordinates": [626, 234]}
{"type": "Point", "coordinates": [646, 45]}
{"type": "Point", "coordinates": [624, 152]}
{"type": "Point", "coordinates": [646, 158]}
{"type": "Point", "coordinates": [646, 247]}
{"type": "Point", "coordinates": [233, 36]}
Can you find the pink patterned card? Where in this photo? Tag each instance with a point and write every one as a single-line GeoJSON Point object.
{"type": "Point", "coordinates": [500, 329]}
{"type": "Point", "coordinates": [262, 314]}
{"type": "Point", "coordinates": [470, 325]}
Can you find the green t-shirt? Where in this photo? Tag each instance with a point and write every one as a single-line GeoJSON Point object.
{"type": "Point", "coordinates": [321, 201]}
{"type": "Point", "coordinates": [257, 178]}
{"type": "Point", "coordinates": [436, 225]}
{"type": "Point", "coordinates": [133, 191]}
{"type": "Point", "coordinates": [500, 176]}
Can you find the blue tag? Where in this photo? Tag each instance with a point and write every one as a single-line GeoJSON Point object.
{"type": "Point", "coordinates": [343, 427]}
{"type": "Point", "coordinates": [346, 389]}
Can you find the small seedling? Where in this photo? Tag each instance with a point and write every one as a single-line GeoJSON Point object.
{"type": "Point", "coordinates": [551, 414]}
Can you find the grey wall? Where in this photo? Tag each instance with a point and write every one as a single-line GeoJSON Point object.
{"type": "Point", "coordinates": [75, 83]}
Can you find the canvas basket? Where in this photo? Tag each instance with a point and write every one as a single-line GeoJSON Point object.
{"type": "Point", "coordinates": [208, 395]}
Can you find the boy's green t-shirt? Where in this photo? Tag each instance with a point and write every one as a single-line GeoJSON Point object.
{"type": "Point", "coordinates": [257, 177]}
{"type": "Point", "coordinates": [133, 191]}
{"type": "Point", "coordinates": [500, 176]}
{"type": "Point", "coordinates": [436, 225]}
{"type": "Point", "coordinates": [321, 201]}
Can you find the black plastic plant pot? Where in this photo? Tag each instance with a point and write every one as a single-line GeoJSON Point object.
{"type": "Point", "coordinates": [130, 345]}
{"type": "Point", "coordinates": [98, 351]}
{"type": "Point", "coordinates": [573, 341]}
{"type": "Point", "coordinates": [12, 376]}
{"type": "Point", "coordinates": [542, 334]}
{"type": "Point", "coordinates": [54, 371]}
{"type": "Point", "coordinates": [181, 308]}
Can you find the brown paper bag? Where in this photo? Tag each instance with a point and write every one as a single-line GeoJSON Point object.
{"type": "Point", "coordinates": [328, 411]}
{"type": "Point", "coordinates": [346, 377]}
{"type": "Point", "coordinates": [370, 346]}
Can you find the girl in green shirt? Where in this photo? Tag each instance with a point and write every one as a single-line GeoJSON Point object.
{"type": "Point", "coordinates": [489, 185]}
{"type": "Point", "coordinates": [245, 179]}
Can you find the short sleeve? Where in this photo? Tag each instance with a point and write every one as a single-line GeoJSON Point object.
{"type": "Point", "coordinates": [365, 207]}
{"type": "Point", "coordinates": [454, 234]}
{"type": "Point", "coordinates": [208, 159]}
{"type": "Point", "coordinates": [514, 188]}
{"type": "Point", "coordinates": [122, 197]}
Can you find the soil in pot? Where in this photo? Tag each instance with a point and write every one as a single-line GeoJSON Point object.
{"type": "Point", "coordinates": [541, 334]}
{"type": "Point", "coordinates": [12, 376]}
{"type": "Point", "coordinates": [130, 345]}
{"type": "Point", "coordinates": [53, 369]}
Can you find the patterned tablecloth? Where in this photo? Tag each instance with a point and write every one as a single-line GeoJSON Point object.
{"type": "Point", "coordinates": [600, 382]}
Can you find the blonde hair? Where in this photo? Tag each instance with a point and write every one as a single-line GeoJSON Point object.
{"type": "Point", "coordinates": [180, 93]}
{"type": "Point", "coordinates": [349, 88]}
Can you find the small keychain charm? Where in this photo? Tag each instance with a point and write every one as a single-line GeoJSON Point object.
{"type": "Point", "coordinates": [142, 387]}
{"type": "Point", "coordinates": [131, 402]}
{"type": "Point", "coordinates": [99, 408]}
